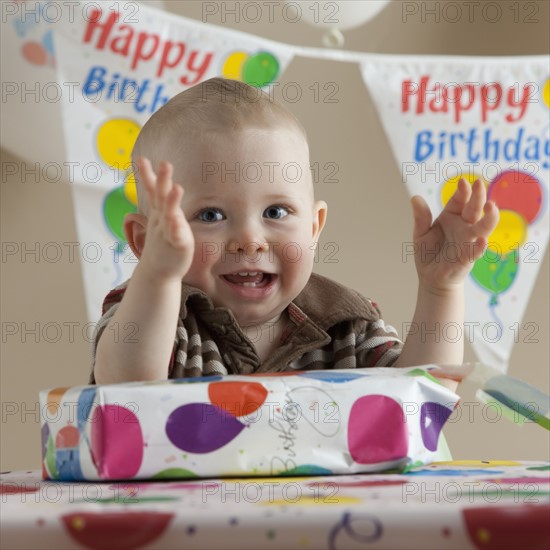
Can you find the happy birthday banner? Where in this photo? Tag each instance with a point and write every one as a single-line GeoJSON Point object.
{"type": "Point", "coordinates": [486, 119]}
{"type": "Point", "coordinates": [444, 117]}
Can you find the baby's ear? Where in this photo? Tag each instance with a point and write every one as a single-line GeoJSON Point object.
{"type": "Point", "coordinates": [319, 218]}
{"type": "Point", "coordinates": [135, 227]}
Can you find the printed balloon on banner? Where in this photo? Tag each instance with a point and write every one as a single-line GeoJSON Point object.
{"type": "Point", "coordinates": [115, 140]}
{"type": "Point", "coordinates": [39, 53]}
{"type": "Point", "coordinates": [495, 272]}
{"type": "Point", "coordinates": [115, 207]}
{"type": "Point", "coordinates": [259, 69]}
{"type": "Point", "coordinates": [519, 197]}
{"type": "Point", "coordinates": [233, 65]}
{"type": "Point", "coordinates": [509, 234]}
{"type": "Point", "coordinates": [546, 93]}
{"type": "Point", "coordinates": [517, 191]}
{"type": "Point", "coordinates": [34, 53]}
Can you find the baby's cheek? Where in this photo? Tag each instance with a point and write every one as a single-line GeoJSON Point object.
{"type": "Point", "coordinates": [206, 253]}
{"type": "Point", "coordinates": [298, 255]}
{"type": "Point", "coordinates": [204, 257]}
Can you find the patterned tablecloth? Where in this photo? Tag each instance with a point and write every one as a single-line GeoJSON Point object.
{"type": "Point", "coordinates": [461, 504]}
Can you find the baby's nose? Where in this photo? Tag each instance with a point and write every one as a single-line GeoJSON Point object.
{"type": "Point", "coordinates": [247, 237]}
{"type": "Point", "coordinates": [246, 247]}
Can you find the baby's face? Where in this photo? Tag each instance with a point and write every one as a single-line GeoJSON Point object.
{"type": "Point", "coordinates": [249, 202]}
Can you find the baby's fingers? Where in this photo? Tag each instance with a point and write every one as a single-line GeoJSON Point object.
{"type": "Point", "coordinates": [149, 179]}
{"type": "Point", "coordinates": [474, 207]}
{"type": "Point", "coordinates": [164, 181]}
{"type": "Point", "coordinates": [422, 216]}
{"type": "Point", "coordinates": [460, 197]}
{"type": "Point", "coordinates": [478, 234]}
{"type": "Point", "coordinates": [176, 223]}
{"type": "Point", "coordinates": [486, 225]}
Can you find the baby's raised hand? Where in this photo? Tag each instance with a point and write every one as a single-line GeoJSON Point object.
{"type": "Point", "coordinates": [169, 242]}
{"type": "Point", "coordinates": [446, 250]}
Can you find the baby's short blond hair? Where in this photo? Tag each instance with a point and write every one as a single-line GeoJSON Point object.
{"type": "Point", "coordinates": [203, 113]}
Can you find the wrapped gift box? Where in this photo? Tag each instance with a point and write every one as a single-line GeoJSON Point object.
{"type": "Point", "coordinates": [293, 423]}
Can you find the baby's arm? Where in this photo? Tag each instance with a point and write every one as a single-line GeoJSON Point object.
{"type": "Point", "coordinates": [152, 300]}
{"type": "Point", "coordinates": [465, 225]}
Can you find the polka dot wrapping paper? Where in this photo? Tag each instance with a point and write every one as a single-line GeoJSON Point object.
{"type": "Point", "coordinates": [294, 424]}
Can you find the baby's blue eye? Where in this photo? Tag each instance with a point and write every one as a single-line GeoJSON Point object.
{"type": "Point", "coordinates": [210, 215]}
{"type": "Point", "coordinates": [275, 212]}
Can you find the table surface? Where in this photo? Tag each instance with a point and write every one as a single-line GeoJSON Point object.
{"type": "Point", "coordinates": [459, 504]}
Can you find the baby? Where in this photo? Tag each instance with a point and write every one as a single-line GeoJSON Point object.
{"type": "Point", "coordinates": [225, 234]}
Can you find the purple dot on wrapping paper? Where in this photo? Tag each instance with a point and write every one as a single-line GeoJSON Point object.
{"type": "Point", "coordinates": [432, 419]}
{"type": "Point", "coordinates": [201, 427]}
{"type": "Point", "coordinates": [117, 442]}
{"type": "Point", "coordinates": [377, 431]}
{"type": "Point", "coordinates": [45, 433]}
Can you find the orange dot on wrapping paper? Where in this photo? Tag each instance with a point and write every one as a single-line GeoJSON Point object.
{"type": "Point", "coordinates": [237, 398]}
{"type": "Point", "coordinates": [34, 53]}
{"type": "Point", "coordinates": [67, 437]}
{"type": "Point", "coordinates": [54, 400]}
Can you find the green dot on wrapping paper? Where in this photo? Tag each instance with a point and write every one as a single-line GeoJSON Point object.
{"type": "Point", "coordinates": [260, 69]}
{"type": "Point", "coordinates": [174, 473]}
{"type": "Point", "coordinates": [115, 208]}
{"type": "Point", "coordinates": [426, 374]}
{"type": "Point", "coordinates": [50, 459]}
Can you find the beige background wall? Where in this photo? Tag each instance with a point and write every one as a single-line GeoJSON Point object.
{"type": "Point", "coordinates": [369, 220]}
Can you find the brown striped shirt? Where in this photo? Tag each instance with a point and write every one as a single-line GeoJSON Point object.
{"type": "Point", "coordinates": [331, 327]}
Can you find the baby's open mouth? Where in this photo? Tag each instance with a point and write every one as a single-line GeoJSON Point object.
{"type": "Point", "coordinates": [252, 279]}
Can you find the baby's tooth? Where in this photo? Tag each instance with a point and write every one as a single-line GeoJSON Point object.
{"type": "Point", "coordinates": [249, 284]}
